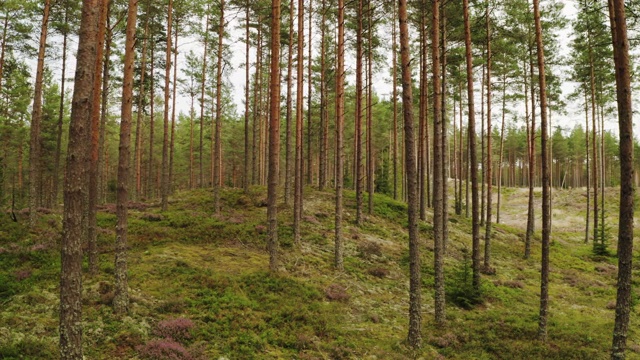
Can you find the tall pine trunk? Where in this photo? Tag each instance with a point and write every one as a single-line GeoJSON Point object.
{"type": "Point", "coordinates": [324, 121]}
{"type": "Point", "coordinates": [415, 283]}
{"type": "Point", "coordinates": [357, 137]}
{"type": "Point", "coordinates": [94, 140]}
{"type": "Point", "coordinates": [625, 224]}
{"type": "Point", "coordinates": [36, 120]}
{"type": "Point", "coordinates": [76, 181]}
{"type": "Point", "coordinates": [287, 161]}
{"type": "Point", "coordinates": [473, 157]}
{"type": "Point", "coordinates": [309, 88]}
{"type": "Point", "coordinates": [63, 71]}
{"type": "Point", "coordinates": [121, 298]}
{"type": "Point", "coordinates": [217, 177]}
{"type": "Point", "coordinates": [370, 159]}
{"type": "Point", "coordinates": [489, 179]}
{"type": "Point", "coordinates": [164, 183]}
{"type": "Point", "coordinates": [438, 167]}
{"type": "Point", "coordinates": [202, 89]}
{"type": "Point", "coordinates": [546, 199]}
{"type": "Point", "coordinates": [274, 136]}
{"type": "Point", "coordinates": [299, 166]}
{"type": "Point", "coordinates": [339, 158]}
{"type": "Point", "coordinates": [394, 95]}
{"type": "Point", "coordinates": [247, 99]}
{"type": "Point", "coordinates": [173, 108]}
{"type": "Point", "coordinates": [140, 108]}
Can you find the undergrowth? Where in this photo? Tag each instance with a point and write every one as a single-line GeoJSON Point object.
{"type": "Point", "coordinates": [200, 286]}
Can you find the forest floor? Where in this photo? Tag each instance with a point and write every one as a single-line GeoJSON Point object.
{"type": "Point", "coordinates": [200, 286]}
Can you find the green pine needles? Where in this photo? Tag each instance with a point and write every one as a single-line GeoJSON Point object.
{"type": "Point", "coordinates": [460, 290]}
{"type": "Point", "coordinates": [602, 239]}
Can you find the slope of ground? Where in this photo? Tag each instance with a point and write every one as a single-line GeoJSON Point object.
{"type": "Point", "coordinates": [201, 288]}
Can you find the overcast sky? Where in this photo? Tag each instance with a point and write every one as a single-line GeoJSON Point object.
{"type": "Point", "coordinates": [382, 82]}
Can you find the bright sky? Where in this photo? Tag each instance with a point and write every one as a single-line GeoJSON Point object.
{"type": "Point", "coordinates": [382, 81]}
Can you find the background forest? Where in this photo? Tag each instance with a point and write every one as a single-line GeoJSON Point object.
{"type": "Point", "coordinates": [462, 115]}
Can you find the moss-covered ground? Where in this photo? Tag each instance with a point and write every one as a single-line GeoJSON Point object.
{"type": "Point", "coordinates": [188, 266]}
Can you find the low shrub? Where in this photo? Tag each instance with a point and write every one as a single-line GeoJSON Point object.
{"type": "Point", "coordinates": [178, 329]}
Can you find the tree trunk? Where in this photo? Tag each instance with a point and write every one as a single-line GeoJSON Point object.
{"type": "Point", "coordinates": [532, 167]}
{"type": "Point", "coordinates": [324, 124]}
{"type": "Point", "coordinates": [394, 69]}
{"type": "Point", "coordinates": [415, 283]}
{"type": "Point", "coordinates": [370, 163]}
{"type": "Point", "coordinates": [625, 224]}
{"type": "Point", "coordinates": [217, 174]}
{"type": "Point", "coordinates": [121, 298]}
{"type": "Point", "coordinates": [288, 162]}
{"type": "Point", "coordinates": [255, 136]}
{"type": "Point", "coordinates": [472, 150]}
{"type": "Point", "coordinates": [438, 168]}
{"type": "Point", "coordinates": [489, 179]}
{"type": "Point", "coordinates": [164, 183]}
{"type": "Point", "coordinates": [460, 155]}
{"type": "Point", "coordinates": [504, 111]}
{"type": "Point", "coordinates": [299, 166]}
{"type": "Point", "coordinates": [202, 88]}
{"type": "Point", "coordinates": [76, 181]}
{"type": "Point", "coordinates": [173, 109]}
{"type": "Point", "coordinates": [94, 141]}
{"type": "Point", "coordinates": [274, 136]}
{"type": "Point", "coordinates": [309, 84]}
{"type": "Point", "coordinates": [104, 107]}
{"type": "Point", "coordinates": [587, 232]}
{"type": "Point", "coordinates": [56, 166]}
{"type": "Point", "coordinates": [246, 100]}
{"type": "Point", "coordinates": [422, 118]}
{"type": "Point", "coordinates": [357, 137]}
{"type": "Point", "coordinates": [546, 199]}
{"type": "Point", "coordinates": [152, 96]}
{"type": "Point", "coordinates": [445, 144]}
{"type": "Point", "coordinates": [3, 47]}
{"type": "Point", "coordinates": [594, 144]}
{"type": "Point", "coordinates": [339, 242]}
{"type": "Point", "coordinates": [36, 120]}
{"type": "Point", "coordinates": [140, 108]}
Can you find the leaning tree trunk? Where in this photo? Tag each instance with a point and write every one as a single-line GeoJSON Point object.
{"type": "Point", "coordinates": [625, 225]}
{"type": "Point", "coordinates": [76, 181]}
{"type": "Point", "coordinates": [415, 284]}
